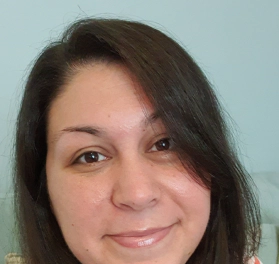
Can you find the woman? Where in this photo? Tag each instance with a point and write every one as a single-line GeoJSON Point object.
{"type": "Point", "coordinates": [123, 156]}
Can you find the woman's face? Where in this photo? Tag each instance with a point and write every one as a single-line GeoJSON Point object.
{"type": "Point", "coordinates": [118, 191]}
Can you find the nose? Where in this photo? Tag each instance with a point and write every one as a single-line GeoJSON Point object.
{"type": "Point", "coordinates": [136, 187]}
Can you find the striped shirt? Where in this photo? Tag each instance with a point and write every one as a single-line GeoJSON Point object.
{"type": "Point", "coordinates": [254, 260]}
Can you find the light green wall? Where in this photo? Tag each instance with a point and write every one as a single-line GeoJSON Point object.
{"type": "Point", "coordinates": [235, 42]}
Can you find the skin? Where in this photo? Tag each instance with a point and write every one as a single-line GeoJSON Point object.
{"type": "Point", "coordinates": [136, 192]}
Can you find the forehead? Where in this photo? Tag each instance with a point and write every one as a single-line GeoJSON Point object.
{"type": "Point", "coordinates": [103, 95]}
{"type": "Point", "coordinates": [101, 80]}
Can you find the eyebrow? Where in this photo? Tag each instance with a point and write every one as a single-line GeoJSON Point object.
{"type": "Point", "coordinates": [149, 120]}
{"type": "Point", "coordinates": [99, 132]}
{"type": "Point", "coordinates": [92, 130]}
{"type": "Point", "coordinates": [85, 129]}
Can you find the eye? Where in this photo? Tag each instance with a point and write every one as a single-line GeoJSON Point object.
{"type": "Point", "coordinates": [162, 145]}
{"type": "Point", "coordinates": [90, 157]}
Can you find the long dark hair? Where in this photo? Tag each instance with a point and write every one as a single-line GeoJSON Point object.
{"type": "Point", "coordinates": [183, 98]}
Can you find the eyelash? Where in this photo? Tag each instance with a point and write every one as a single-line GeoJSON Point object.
{"type": "Point", "coordinates": [168, 144]}
{"type": "Point", "coordinates": [94, 155]}
{"type": "Point", "coordinates": [90, 155]}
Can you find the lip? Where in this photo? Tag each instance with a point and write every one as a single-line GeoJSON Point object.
{"type": "Point", "coordinates": [139, 239]}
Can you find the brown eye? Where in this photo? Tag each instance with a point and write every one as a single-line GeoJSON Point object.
{"type": "Point", "coordinates": [163, 144]}
{"type": "Point", "coordinates": [91, 157]}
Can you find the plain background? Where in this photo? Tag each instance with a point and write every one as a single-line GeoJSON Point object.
{"type": "Point", "coordinates": [235, 42]}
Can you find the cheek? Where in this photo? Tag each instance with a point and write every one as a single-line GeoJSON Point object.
{"type": "Point", "coordinates": [195, 204]}
{"type": "Point", "coordinates": [193, 199]}
{"type": "Point", "coordinates": [77, 203]}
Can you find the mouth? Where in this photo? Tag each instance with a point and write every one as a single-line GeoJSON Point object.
{"type": "Point", "coordinates": [139, 239]}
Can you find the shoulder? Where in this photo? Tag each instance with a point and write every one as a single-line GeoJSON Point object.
{"type": "Point", "coordinates": [254, 260]}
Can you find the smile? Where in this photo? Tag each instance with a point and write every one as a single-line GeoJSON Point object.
{"type": "Point", "coordinates": [138, 239]}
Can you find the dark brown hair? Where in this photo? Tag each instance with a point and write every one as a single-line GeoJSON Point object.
{"type": "Point", "coordinates": [183, 98]}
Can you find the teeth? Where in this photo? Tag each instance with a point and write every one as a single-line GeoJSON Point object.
{"type": "Point", "coordinates": [146, 242]}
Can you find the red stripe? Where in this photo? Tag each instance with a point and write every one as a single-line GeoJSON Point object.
{"type": "Point", "coordinates": [257, 261]}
